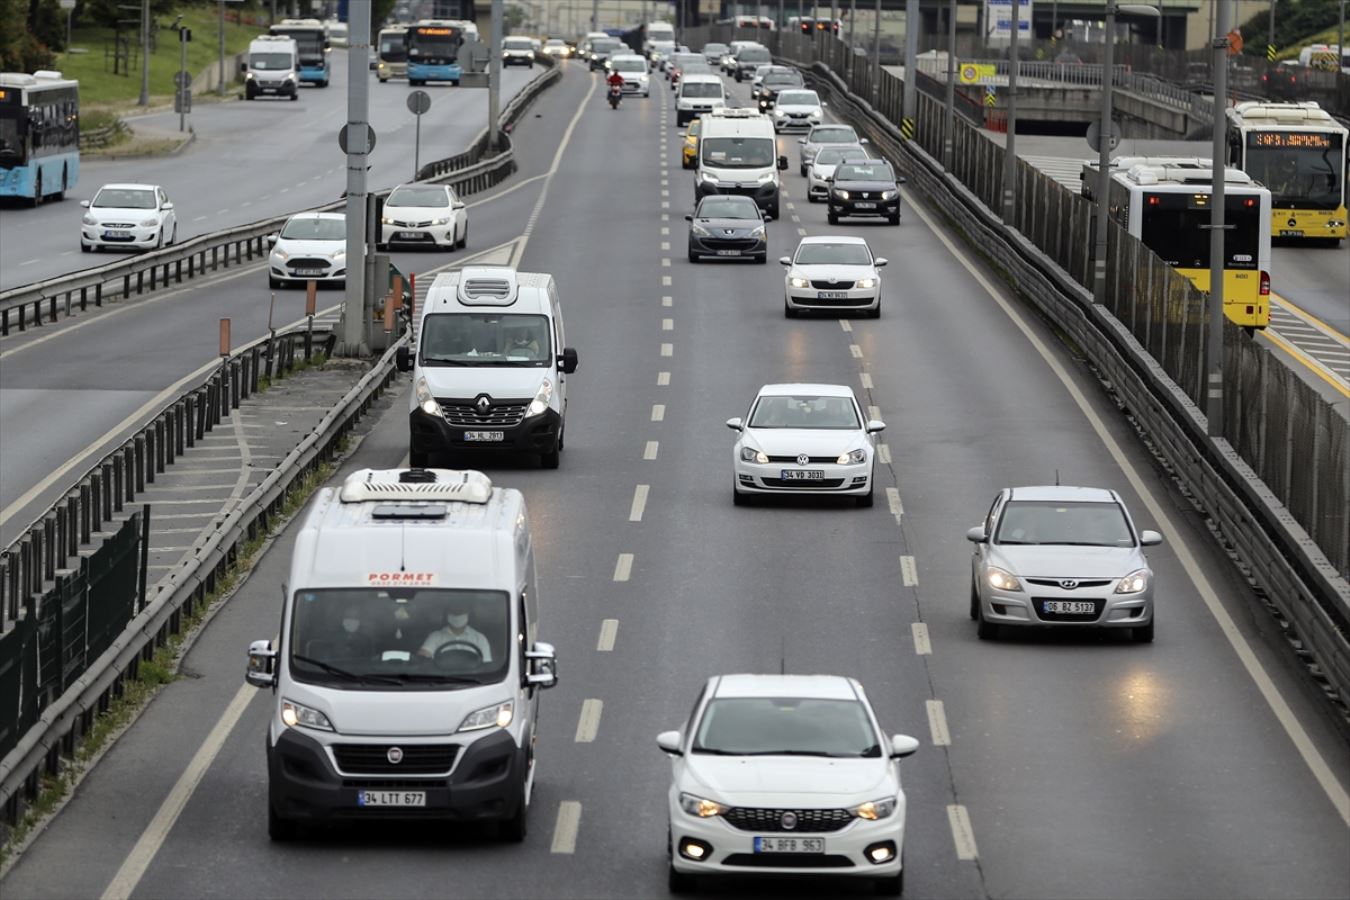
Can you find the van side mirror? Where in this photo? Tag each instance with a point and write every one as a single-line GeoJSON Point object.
{"type": "Point", "coordinates": [669, 742]}
{"type": "Point", "coordinates": [568, 361]}
{"type": "Point", "coordinates": [543, 660]}
{"type": "Point", "coordinates": [403, 359]}
{"type": "Point", "coordinates": [782, 162]}
{"type": "Point", "coordinates": [262, 660]}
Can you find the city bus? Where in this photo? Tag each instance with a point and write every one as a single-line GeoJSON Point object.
{"type": "Point", "coordinates": [433, 51]}
{"type": "Point", "coordinates": [1165, 203]}
{"type": "Point", "coordinates": [392, 54]}
{"type": "Point", "coordinates": [1298, 151]}
{"type": "Point", "coordinates": [39, 135]}
{"type": "Point", "coordinates": [311, 38]}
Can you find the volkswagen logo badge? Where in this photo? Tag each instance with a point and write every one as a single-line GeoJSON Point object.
{"type": "Point", "coordinates": [394, 755]}
{"type": "Point", "coordinates": [1068, 584]}
{"type": "Point", "coordinates": [802, 459]}
{"type": "Point", "coordinates": [788, 820]}
{"type": "Point", "coordinates": [483, 403]}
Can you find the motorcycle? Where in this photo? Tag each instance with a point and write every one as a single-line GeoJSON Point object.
{"type": "Point", "coordinates": [615, 94]}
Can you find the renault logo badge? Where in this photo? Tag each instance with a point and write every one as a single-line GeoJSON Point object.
{"type": "Point", "coordinates": [394, 755]}
{"type": "Point", "coordinates": [483, 403]}
{"type": "Point", "coordinates": [788, 821]}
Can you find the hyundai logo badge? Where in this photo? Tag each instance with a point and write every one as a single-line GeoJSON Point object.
{"type": "Point", "coordinates": [1068, 584]}
{"type": "Point", "coordinates": [395, 755]}
{"type": "Point", "coordinates": [789, 820]}
{"type": "Point", "coordinates": [802, 459]}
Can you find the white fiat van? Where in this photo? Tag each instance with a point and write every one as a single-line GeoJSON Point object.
{"type": "Point", "coordinates": [272, 67]}
{"type": "Point", "coordinates": [408, 670]}
{"type": "Point", "coordinates": [738, 154]}
{"type": "Point", "coordinates": [490, 367]}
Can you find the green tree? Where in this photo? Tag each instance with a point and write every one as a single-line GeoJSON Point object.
{"type": "Point", "coordinates": [20, 49]}
{"type": "Point", "coordinates": [1295, 20]}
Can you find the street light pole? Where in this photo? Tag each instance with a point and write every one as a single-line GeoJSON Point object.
{"type": "Point", "coordinates": [220, 88]}
{"type": "Point", "coordinates": [358, 149]}
{"type": "Point", "coordinates": [1270, 33]}
{"type": "Point", "coordinates": [1214, 351]}
{"type": "Point", "coordinates": [495, 77]}
{"type": "Point", "coordinates": [1010, 148]}
{"type": "Point", "coordinates": [912, 20]}
{"type": "Point", "coordinates": [145, 53]}
{"type": "Point", "coordinates": [949, 122]}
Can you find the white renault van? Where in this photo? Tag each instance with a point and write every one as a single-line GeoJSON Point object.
{"type": "Point", "coordinates": [490, 367]}
{"type": "Point", "coordinates": [738, 154]}
{"type": "Point", "coordinates": [699, 94]}
{"type": "Point", "coordinates": [407, 674]}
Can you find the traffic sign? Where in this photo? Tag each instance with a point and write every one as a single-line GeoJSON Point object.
{"type": "Point", "coordinates": [370, 138]}
{"type": "Point", "coordinates": [419, 102]}
{"type": "Point", "coordinates": [1094, 132]}
{"type": "Point", "coordinates": [976, 73]}
{"type": "Point", "coordinates": [182, 79]}
{"type": "Point", "coordinates": [990, 95]}
{"type": "Point", "coordinates": [182, 100]}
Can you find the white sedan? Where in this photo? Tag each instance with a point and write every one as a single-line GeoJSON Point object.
{"type": "Point", "coordinates": [136, 216]}
{"type": "Point", "coordinates": [785, 775]}
{"type": "Point", "coordinates": [804, 439]}
{"type": "Point", "coordinates": [797, 109]}
{"type": "Point", "coordinates": [821, 171]}
{"type": "Point", "coordinates": [425, 215]}
{"type": "Point", "coordinates": [636, 76]}
{"type": "Point", "coordinates": [310, 247]}
{"type": "Point", "coordinates": [832, 273]}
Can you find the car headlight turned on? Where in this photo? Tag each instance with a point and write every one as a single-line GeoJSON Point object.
{"type": "Point", "coordinates": [499, 714]}
{"type": "Point", "coordinates": [541, 398]}
{"type": "Point", "coordinates": [698, 806]}
{"type": "Point", "coordinates": [797, 282]}
{"type": "Point", "coordinates": [873, 810]}
{"type": "Point", "coordinates": [425, 401]}
{"type": "Point", "coordinates": [867, 282]}
{"type": "Point", "coordinates": [750, 454]}
{"type": "Point", "coordinates": [298, 715]}
{"type": "Point", "coordinates": [842, 195]}
{"type": "Point", "coordinates": [1001, 580]}
{"type": "Point", "coordinates": [852, 458]}
{"type": "Point", "coordinates": [1134, 582]}
{"type": "Point", "coordinates": [889, 195]}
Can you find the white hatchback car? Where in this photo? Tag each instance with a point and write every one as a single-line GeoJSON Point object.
{"type": "Point", "coordinates": [832, 273]}
{"type": "Point", "coordinates": [137, 216]}
{"type": "Point", "coordinates": [794, 109]}
{"type": "Point", "coordinates": [309, 247]}
{"type": "Point", "coordinates": [637, 77]}
{"type": "Point", "coordinates": [821, 170]}
{"type": "Point", "coordinates": [785, 775]}
{"type": "Point", "coordinates": [427, 215]}
{"type": "Point", "coordinates": [804, 439]}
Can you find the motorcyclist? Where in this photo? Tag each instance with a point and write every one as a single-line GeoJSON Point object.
{"type": "Point", "coordinates": [615, 82]}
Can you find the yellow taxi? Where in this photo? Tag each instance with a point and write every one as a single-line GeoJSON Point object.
{"type": "Point", "coordinates": [689, 152]}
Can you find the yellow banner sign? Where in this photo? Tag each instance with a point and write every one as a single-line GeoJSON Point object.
{"type": "Point", "coordinates": [975, 73]}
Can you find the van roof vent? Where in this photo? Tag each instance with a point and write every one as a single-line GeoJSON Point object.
{"type": "Point", "coordinates": [487, 286]}
{"type": "Point", "coordinates": [452, 485]}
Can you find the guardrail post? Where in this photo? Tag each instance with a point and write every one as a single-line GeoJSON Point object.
{"type": "Point", "coordinates": [235, 377]}
{"type": "Point", "coordinates": [98, 294]}
{"type": "Point", "coordinates": [76, 509]}
{"type": "Point", "coordinates": [138, 461]}
{"type": "Point", "coordinates": [179, 430]}
{"type": "Point", "coordinates": [120, 478]}
{"type": "Point", "coordinates": [51, 308]}
{"type": "Point", "coordinates": [153, 463]}
{"type": "Point", "coordinates": [93, 505]}
{"type": "Point", "coordinates": [214, 259]}
{"type": "Point", "coordinates": [196, 416]}
{"type": "Point", "coordinates": [177, 272]}
{"type": "Point", "coordinates": [170, 434]}
{"type": "Point", "coordinates": [154, 270]}
{"type": "Point", "coordinates": [140, 281]}
{"type": "Point", "coordinates": [192, 266]}
{"type": "Point", "coordinates": [49, 546]}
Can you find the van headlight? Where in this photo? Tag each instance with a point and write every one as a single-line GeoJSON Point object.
{"type": "Point", "coordinates": [541, 397]}
{"type": "Point", "coordinates": [425, 401]}
{"type": "Point", "coordinates": [708, 177]}
{"type": "Point", "coordinates": [298, 715]}
{"type": "Point", "coordinates": [1133, 583]}
{"type": "Point", "coordinates": [767, 177]}
{"type": "Point", "coordinates": [499, 714]}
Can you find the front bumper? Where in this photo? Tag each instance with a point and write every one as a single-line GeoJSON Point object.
{"type": "Point", "coordinates": [815, 187]}
{"type": "Point", "coordinates": [1110, 610]}
{"type": "Point", "coordinates": [794, 123]}
{"type": "Point", "coordinates": [768, 478]}
{"type": "Point", "coordinates": [864, 207]}
{"type": "Point", "coordinates": [533, 434]}
{"type": "Point", "coordinates": [486, 782]}
{"type": "Point", "coordinates": [287, 271]}
{"type": "Point", "coordinates": [686, 112]}
{"type": "Point", "coordinates": [418, 234]}
{"type": "Point", "coordinates": [518, 60]}
{"type": "Point", "coordinates": [730, 247]}
{"type": "Point", "coordinates": [732, 850]}
{"type": "Point", "coordinates": [137, 237]}
{"type": "Point", "coordinates": [855, 298]}
{"type": "Point", "coordinates": [276, 88]}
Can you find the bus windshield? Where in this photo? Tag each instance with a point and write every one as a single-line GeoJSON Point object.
{"type": "Point", "coordinates": [1301, 168]}
{"type": "Point", "coordinates": [1176, 227]}
{"type": "Point", "coordinates": [309, 42]}
{"type": "Point", "coordinates": [11, 139]}
{"type": "Point", "coordinates": [391, 48]}
{"type": "Point", "coordinates": [433, 46]}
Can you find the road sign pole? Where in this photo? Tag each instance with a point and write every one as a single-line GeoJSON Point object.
{"type": "Point", "coordinates": [358, 149]}
{"type": "Point", "coordinates": [417, 148]}
{"type": "Point", "coordinates": [220, 88]}
{"type": "Point", "coordinates": [949, 120]}
{"type": "Point", "coordinates": [1104, 159]}
{"type": "Point", "coordinates": [495, 77]}
{"type": "Point", "coordinates": [912, 20]}
{"type": "Point", "coordinates": [1223, 23]}
{"type": "Point", "coordinates": [182, 78]}
{"type": "Point", "coordinates": [145, 53]}
{"type": "Point", "coordinates": [418, 103]}
{"type": "Point", "coordinates": [1010, 148]}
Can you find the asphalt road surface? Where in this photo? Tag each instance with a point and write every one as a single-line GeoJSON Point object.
{"type": "Point", "coordinates": [1088, 766]}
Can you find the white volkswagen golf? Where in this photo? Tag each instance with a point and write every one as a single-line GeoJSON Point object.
{"type": "Point", "coordinates": [804, 439]}
{"type": "Point", "coordinates": [832, 273]}
{"type": "Point", "coordinates": [785, 774]}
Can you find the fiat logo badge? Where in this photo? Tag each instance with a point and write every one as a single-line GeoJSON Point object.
{"type": "Point", "coordinates": [789, 820]}
{"type": "Point", "coordinates": [802, 459]}
{"type": "Point", "coordinates": [395, 755]}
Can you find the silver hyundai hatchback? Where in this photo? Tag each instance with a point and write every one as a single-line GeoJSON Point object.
{"type": "Point", "coordinates": [1057, 556]}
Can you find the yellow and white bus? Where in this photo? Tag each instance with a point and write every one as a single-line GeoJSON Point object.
{"type": "Point", "coordinates": [1165, 203]}
{"type": "Point", "coordinates": [1298, 151]}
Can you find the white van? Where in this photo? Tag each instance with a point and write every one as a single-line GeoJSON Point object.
{"type": "Point", "coordinates": [272, 67]}
{"type": "Point", "coordinates": [736, 155]}
{"type": "Point", "coordinates": [658, 33]}
{"type": "Point", "coordinates": [407, 673]}
{"type": "Point", "coordinates": [490, 366]}
{"type": "Point", "coordinates": [699, 94]}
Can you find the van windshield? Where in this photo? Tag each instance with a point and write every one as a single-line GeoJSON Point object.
{"type": "Point", "coordinates": [270, 62]}
{"type": "Point", "coordinates": [485, 339]}
{"type": "Point", "coordinates": [701, 89]}
{"type": "Point", "coordinates": [391, 638]}
{"type": "Point", "coordinates": [738, 153]}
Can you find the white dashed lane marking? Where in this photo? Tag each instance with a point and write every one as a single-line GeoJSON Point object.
{"type": "Point", "coordinates": [650, 451]}
{"type": "Point", "coordinates": [609, 632]}
{"type": "Point", "coordinates": [565, 831]}
{"type": "Point", "coordinates": [663, 378]}
{"type": "Point", "coordinates": [588, 724]}
{"type": "Point", "coordinates": [909, 571]}
{"type": "Point", "coordinates": [623, 567]}
{"type": "Point", "coordinates": [667, 349]}
{"type": "Point", "coordinates": [922, 645]}
{"type": "Point", "coordinates": [937, 723]}
{"type": "Point", "coordinates": [639, 503]}
{"type": "Point", "coordinates": [962, 834]}
{"type": "Point", "coordinates": [658, 412]}
{"type": "Point", "coordinates": [893, 501]}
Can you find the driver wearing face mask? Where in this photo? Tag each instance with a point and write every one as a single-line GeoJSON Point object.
{"type": "Point", "coordinates": [353, 642]}
{"type": "Point", "coordinates": [457, 630]}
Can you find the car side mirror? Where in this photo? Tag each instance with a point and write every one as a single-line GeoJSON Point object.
{"type": "Point", "coordinates": [669, 742]}
{"type": "Point", "coordinates": [84, 203]}
{"type": "Point", "coordinates": [167, 205]}
{"type": "Point", "coordinates": [976, 535]}
{"type": "Point", "coordinates": [688, 217]}
{"type": "Point", "coordinates": [785, 260]}
{"type": "Point", "coordinates": [262, 660]}
{"type": "Point", "coordinates": [903, 745]}
{"type": "Point", "coordinates": [900, 179]}
{"type": "Point", "coordinates": [458, 204]}
{"type": "Point", "coordinates": [1150, 538]}
{"type": "Point", "coordinates": [568, 361]}
{"type": "Point", "coordinates": [862, 140]}
{"type": "Point", "coordinates": [403, 359]}
{"type": "Point", "coordinates": [271, 240]}
{"type": "Point", "coordinates": [736, 424]}
{"type": "Point", "coordinates": [543, 660]}
{"type": "Point", "coordinates": [801, 140]}
{"type": "Point", "coordinates": [875, 425]}
{"type": "Point", "coordinates": [823, 103]}
{"type": "Point", "coordinates": [880, 262]}
{"type": "Point", "coordinates": [782, 162]}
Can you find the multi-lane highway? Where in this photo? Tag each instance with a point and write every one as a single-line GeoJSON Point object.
{"type": "Point", "coordinates": [251, 161]}
{"type": "Point", "coordinates": [1083, 766]}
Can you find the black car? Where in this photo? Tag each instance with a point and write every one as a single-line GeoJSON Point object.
{"type": "Point", "coordinates": [779, 78]}
{"type": "Point", "coordinates": [748, 59]}
{"type": "Point", "coordinates": [727, 226]}
{"type": "Point", "coordinates": [865, 188]}
{"type": "Point", "coordinates": [602, 50]}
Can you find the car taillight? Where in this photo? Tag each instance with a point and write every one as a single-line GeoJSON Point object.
{"type": "Point", "coordinates": [1265, 284]}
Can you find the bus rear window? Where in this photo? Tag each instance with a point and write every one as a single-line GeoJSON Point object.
{"type": "Point", "coordinates": [1175, 226]}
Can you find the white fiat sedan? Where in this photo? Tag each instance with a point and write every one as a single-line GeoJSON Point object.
{"type": "Point", "coordinates": [785, 774]}
{"type": "Point", "coordinates": [135, 216]}
{"type": "Point", "coordinates": [804, 439]}
{"type": "Point", "coordinates": [832, 273]}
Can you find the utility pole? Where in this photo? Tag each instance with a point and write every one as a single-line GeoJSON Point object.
{"type": "Point", "coordinates": [220, 88]}
{"type": "Point", "coordinates": [358, 152]}
{"type": "Point", "coordinates": [949, 126]}
{"type": "Point", "coordinates": [912, 20]}
{"type": "Point", "coordinates": [1223, 19]}
{"type": "Point", "coordinates": [183, 83]}
{"type": "Point", "coordinates": [876, 55]}
{"type": "Point", "coordinates": [1010, 149]}
{"type": "Point", "coordinates": [595, 15]}
{"type": "Point", "coordinates": [495, 77]}
{"type": "Point", "coordinates": [1104, 158]}
{"type": "Point", "coordinates": [145, 53]}
{"type": "Point", "coordinates": [1270, 35]}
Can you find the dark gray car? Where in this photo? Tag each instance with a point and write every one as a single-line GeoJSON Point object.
{"type": "Point", "coordinates": [729, 227]}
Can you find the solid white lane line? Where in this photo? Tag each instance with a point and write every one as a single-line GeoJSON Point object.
{"type": "Point", "coordinates": [663, 378]}
{"type": "Point", "coordinates": [667, 349]}
{"type": "Point", "coordinates": [658, 412]}
{"type": "Point", "coordinates": [623, 568]}
{"type": "Point", "coordinates": [565, 831]}
{"type": "Point", "coordinates": [937, 723]}
{"type": "Point", "coordinates": [866, 380]}
{"type": "Point", "coordinates": [962, 834]}
{"type": "Point", "coordinates": [139, 859]}
{"type": "Point", "coordinates": [589, 722]}
{"type": "Point", "coordinates": [893, 501]}
{"type": "Point", "coordinates": [652, 448]}
{"type": "Point", "coordinates": [922, 645]}
{"type": "Point", "coordinates": [667, 324]}
{"type": "Point", "coordinates": [909, 571]}
{"type": "Point", "coordinates": [884, 454]}
{"type": "Point", "coordinates": [609, 632]}
{"type": "Point", "coordinates": [1312, 757]}
{"type": "Point", "coordinates": [855, 351]}
{"type": "Point", "coordinates": [639, 503]}
{"type": "Point", "coordinates": [846, 324]}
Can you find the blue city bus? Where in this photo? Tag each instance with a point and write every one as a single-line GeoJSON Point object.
{"type": "Point", "coordinates": [311, 39]}
{"type": "Point", "coordinates": [39, 135]}
{"type": "Point", "coordinates": [433, 51]}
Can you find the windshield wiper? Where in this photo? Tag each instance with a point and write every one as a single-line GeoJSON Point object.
{"type": "Point", "coordinates": [716, 752]}
{"type": "Point", "coordinates": [791, 753]}
{"type": "Point", "coordinates": [1074, 544]}
{"type": "Point", "coordinates": [343, 673]}
{"type": "Point", "coordinates": [442, 361]}
{"type": "Point", "coordinates": [437, 679]}
{"type": "Point", "coordinates": [1021, 543]}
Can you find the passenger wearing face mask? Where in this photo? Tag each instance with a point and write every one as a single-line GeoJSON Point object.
{"type": "Point", "coordinates": [457, 630]}
{"type": "Point", "coordinates": [353, 642]}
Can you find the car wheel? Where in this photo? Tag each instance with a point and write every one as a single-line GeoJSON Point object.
{"type": "Point", "coordinates": [273, 282]}
{"type": "Point", "coordinates": [803, 171]}
{"type": "Point", "coordinates": [773, 211]}
{"type": "Point", "coordinates": [551, 459]}
{"type": "Point", "coordinates": [384, 81]}
{"type": "Point", "coordinates": [418, 459]}
{"type": "Point", "coordinates": [891, 887]}
{"type": "Point", "coordinates": [679, 882]}
{"type": "Point", "coordinates": [173, 235]}
{"type": "Point", "coordinates": [984, 629]}
{"type": "Point", "coordinates": [895, 219]}
{"type": "Point", "coordinates": [762, 258]}
{"type": "Point", "coordinates": [875, 313]}
{"type": "Point", "coordinates": [279, 829]}
{"type": "Point", "coordinates": [739, 499]}
{"type": "Point", "coordinates": [811, 198]}
{"type": "Point", "coordinates": [788, 311]}
{"type": "Point", "coordinates": [865, 501]}
{"type": "Point", "coordinates": [974, 603]}
{"type": "Point", "coordinates": [85, 248]}
{"type": "Point", "coordinates": [834, 220]}
{"type": "Point", "coordinates": [159, 241]}
{"type": "Point", "coordinates": [693, 257]}
{"type": "Point", "coordinates": [464, 238]}
{"type": "Point", "coordinates": [514, 829]}
{"type": "Point", "coordinates": [1144, 634]}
